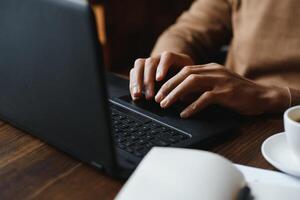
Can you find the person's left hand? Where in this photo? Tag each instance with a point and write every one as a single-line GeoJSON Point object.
{"type": "Point", "coordinates": [214, 84]}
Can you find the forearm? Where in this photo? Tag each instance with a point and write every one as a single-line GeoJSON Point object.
{"type": "Point", "coordinates": [278, 99]}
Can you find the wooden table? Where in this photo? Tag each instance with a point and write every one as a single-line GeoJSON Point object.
{"type": "Point", "coordinates": [30, 169]}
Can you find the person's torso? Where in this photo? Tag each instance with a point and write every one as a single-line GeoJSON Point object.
{"type": "Point", "coordinates": [266, 39]}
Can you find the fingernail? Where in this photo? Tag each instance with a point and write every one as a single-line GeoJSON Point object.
{"type": "Point", "coordinates": [194, 107]}
{"type": "Point", "coordinates": [135, 91]}
{"type": "Point", "coordinates": [158, 75]}
{"type": "Point", "coordinates": [147, 94]}
{"type": "Point", "coordinates": [184, 114]}
{"type": "Point", "coordinates": [158, 97]}
{"type": "Point", "coordinates": [164, 103]}
{"type": "Point", "coordinates": [133, 98]}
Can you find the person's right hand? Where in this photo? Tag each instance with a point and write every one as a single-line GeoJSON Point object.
{"type": "Point", "coordinates": [148, 70]}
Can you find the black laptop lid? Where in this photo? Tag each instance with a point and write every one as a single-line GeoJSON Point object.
{"type": "Point", "coordinates": [50, 81]}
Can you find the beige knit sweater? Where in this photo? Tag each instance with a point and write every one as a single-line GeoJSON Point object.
{"type": "Point", "coordinates": [264, 38]}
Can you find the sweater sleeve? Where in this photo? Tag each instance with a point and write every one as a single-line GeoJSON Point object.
{"type": "Point", "coordinates": [204, 27]}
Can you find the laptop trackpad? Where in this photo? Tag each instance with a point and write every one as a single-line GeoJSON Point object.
{"type": "Point", "coordinates": [210, 119]}
{"type": "Point", "coordinates": [153, 107]}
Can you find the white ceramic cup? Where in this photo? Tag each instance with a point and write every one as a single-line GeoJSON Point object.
{"type": "Point", "coordinates": [292, 129]}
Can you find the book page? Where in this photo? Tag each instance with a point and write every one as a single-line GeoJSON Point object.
{"type": "Point", "coordinates": [179, 174]}
{"type": "Point", "coordinates": [253, 174]}
{"type": "Point", "coordinates": [266, 191]}
{"type": "Point", "coordinates": [268, 184]}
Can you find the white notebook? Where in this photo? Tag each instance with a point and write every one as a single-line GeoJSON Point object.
{"type": "Point", "coordinates": [186, 174]}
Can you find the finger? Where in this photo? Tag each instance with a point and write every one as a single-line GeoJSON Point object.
{"type": "Point", "coordinates": [191, 84]}
{"type": "Point", "coordinates": [149, 76]}
{"type": "Point", "coordinates": [203, 101]}
{"type": "Point", "coordinates": [168, 59]}
{"type": "Point", "coordinates": [132, 85]}
{"type": "Point", "coordinates": [167, 87]}
{"type": "Point", "coordinates": [136, 78]}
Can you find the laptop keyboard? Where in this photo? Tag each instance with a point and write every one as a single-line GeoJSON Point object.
{"type": "Point", "coordinates": [138, 136]}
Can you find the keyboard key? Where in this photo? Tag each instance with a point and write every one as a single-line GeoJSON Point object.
{"type": "Point", "coordinates": [145, 128]}
{"type": "Point", "coordinates": [124, 126]}
{"type": "Point", "coordinates": [141, 142]}
{"type": "Point", "coordinates": [128, 121]}
{"type": "Point", "coordinates": [145, 120]}
{"type": "Point", "coordinates": [149, 137]}
{"type": "Point", "coordinates": [133, 138]}
{"type": "Point", "coordinates": [140, 133]}
{"type": "Point", "coordinates": [160, 142]}
{"type": "Point", "coordinates": [114, 114]}
{"type": "Point", "coordinates": [120, 140]}
{"type": "Point", "coordinates": [128, 143]}
{"type": "Point", "coordinates": [137, 124]}
{"type": "Point", "coordinates": [154, 132]}
{"type": "Point", "coordinates": [117, 130]}
{"type": "Point", "coordinates": [138, 136]}
{"type": "Point", "coordinates": [126, 134]}
{"type": "Point", "coordinates": [173, 133]}
{"type": "Point", "coordinates": [132, 130]}
{"type": "Point", "coordinates": [154, 125]}
{"type": "Point", "coordinates": [119, 117]}
{"type": "Point", "coordinates": [116, 122]}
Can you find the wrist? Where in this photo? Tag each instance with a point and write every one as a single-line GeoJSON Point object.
{"type": "Point", "coordinates": [277, 99]}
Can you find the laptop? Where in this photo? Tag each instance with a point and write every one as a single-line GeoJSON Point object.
{"type": "Point", "coordinates": [53, 85]}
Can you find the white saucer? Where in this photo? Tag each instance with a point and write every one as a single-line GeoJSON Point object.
{"type": "Point", "coordinates": [278, 153]}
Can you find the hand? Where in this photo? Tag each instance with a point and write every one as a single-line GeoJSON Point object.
{"type": "Point", "coordinates": [147, 71]}
{"type": "Point", "coordinates": [214, 84]}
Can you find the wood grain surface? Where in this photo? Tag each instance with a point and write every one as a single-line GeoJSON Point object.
{"type": "Point", "coordinates": [30, 169]}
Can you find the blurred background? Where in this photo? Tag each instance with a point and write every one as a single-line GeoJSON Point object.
{"type": "Point", "coordinates": [128, 29]}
